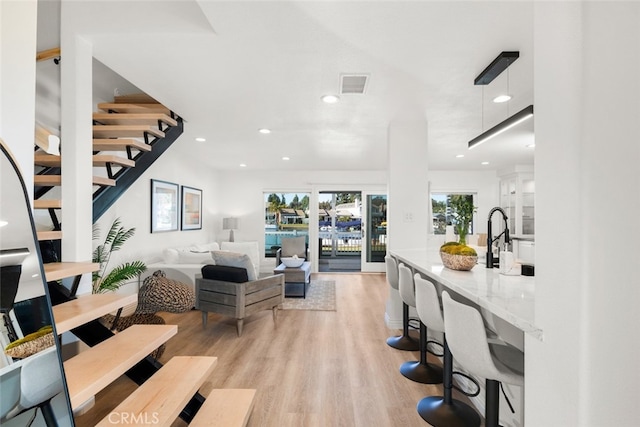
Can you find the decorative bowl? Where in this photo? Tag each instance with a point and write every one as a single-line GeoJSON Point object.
{"type": "Point", "coordinates": [291, 262]}
{"type": "Point", "coordinates": [458, 262]}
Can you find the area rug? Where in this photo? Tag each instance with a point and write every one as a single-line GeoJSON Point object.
{"type": "Point", "coordinates": [321, 296]}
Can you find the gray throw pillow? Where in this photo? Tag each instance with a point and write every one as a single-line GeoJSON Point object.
{"type": "Point", "coordinates": [294, 246]}
{"type": "Point", "coordinates": [234, 259]}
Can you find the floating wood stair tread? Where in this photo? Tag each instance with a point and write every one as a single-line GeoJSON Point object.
{"type": "Point", "coordinates": [134, 119]}
{"type": "Point", "coordinates": [47, 204]}
{"type": "Point", "coordinates": [98, 160]}
{"type": "Point", "coordinates": [59, 270]}
{"type": "Point", "coordinates": [49, 160]}
{"type": "Point", "coordinates": [49, 235]}
{"type": "Point", "coordinates": [119, 144]}
{"type": "Point", "coordinates": [125, 131]}
{"type": "Point", "coordinates": [47, 180]}
{"type": "Point", "coordinates": [133, 108]}
{"type": "Point", "coordinates": [167, 392]}
{"type": "Point", "coordinates": [54, 180]}
{"type": "Point", "coordinates": [107, 182]}
{"type": "Point", "coordinates": [95, 368]}
{"type": "Point", "coordinates": [103, 159]}
{"type": "Point", "coordinates": [86, 308]}
{"type": "Point", "coordinates": [225, 407]}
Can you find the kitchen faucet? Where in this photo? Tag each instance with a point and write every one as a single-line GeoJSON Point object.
{"type": "Point", "coordinates": [491, 240]}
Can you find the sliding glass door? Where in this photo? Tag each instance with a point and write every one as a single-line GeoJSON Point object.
{"type": "Point", "coordinates": [374, 231]}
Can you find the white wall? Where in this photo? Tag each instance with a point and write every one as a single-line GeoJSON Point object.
{"type": "Point", "coordinates": [48, 72]}
{"type": "Point", "coordinates": [76, 147]}
{"type": "Point", "coordinates": [18, 23]}
{"type": "Point", "coordinates": [408, 207]}
{"type": "Point", "coordinates": [178, 166]}
{"type": "Point", "coordinates": [587, 61]}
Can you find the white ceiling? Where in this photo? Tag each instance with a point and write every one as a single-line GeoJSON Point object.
{"type": "Point", "coordinates": [231, 68]}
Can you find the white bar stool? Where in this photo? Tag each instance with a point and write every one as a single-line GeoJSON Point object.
{"type": "Point", "coordinates": [440, 411]}
{"type": "Point", "coordinates": [40, 381]}
{"type": "Point", "coordinates": [468, 341]}
{"type": "Point", "coordinates": [420, 371]}
{"type": "Point", "coordinates": [404, 341]}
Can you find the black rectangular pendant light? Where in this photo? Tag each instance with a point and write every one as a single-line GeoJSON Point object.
{"type": "Point", "coordinates": [496, 67]}
{"type": "Point", "coordinates": [518, 117]}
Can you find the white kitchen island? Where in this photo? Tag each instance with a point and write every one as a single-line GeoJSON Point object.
{"type": "Point", "coordinates": [506, 302]}
{"type": "Point", "coordinates": [511, 298]}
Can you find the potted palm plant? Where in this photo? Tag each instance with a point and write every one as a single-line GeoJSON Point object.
{"type": "Point", "coordinates": [462, 210]}
{"type": "Point", "coordinates": [104, 281]}
{"type": "Point", "coordinates": [457, 255]}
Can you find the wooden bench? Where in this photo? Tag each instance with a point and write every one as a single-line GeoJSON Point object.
{"type": "Point", "coordinates": [225, 407]}
{"type": "Point", "coordinates": [162, 397]}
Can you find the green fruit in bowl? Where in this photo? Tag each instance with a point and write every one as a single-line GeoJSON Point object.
{"type": "Point", "coordinates": [455, 248]}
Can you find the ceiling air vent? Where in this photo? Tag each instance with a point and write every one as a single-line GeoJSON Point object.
{"type": "Point", "coordinates": [353, 83]}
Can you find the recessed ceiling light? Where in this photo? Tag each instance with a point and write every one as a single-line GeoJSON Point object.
{"type": "Point", "coordinates": [264, 131]}
{"type": "Point", "coordinates": [531, 145]}
{"type": "Point", "coordinates": [459, 156]}
{"type": "Point", "coordinates": [243, 165]}
{"type": "Point", "coordinates": [330, 99]}
{"type": "Point", "coordinates": [484, 163]}
{"type": "Point", "coordinates": [200, 139]}
{"type": "Point", "coordinates": [286, 158]}
{"type": "Point", "coordinates": [501, 98]}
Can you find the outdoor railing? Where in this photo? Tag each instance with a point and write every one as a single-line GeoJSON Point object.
{"type": "Point", "coordinates": [338, 243]}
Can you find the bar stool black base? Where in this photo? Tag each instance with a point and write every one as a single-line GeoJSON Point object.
{"type": "Point", "coordinates": [403, 342]}
{"type": "Point", "coordinates": [422, 373]}
{"type": "Point", "coordinates": [436, 412]}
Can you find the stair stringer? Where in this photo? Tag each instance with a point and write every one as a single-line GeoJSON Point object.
{"type": "Point", "coordinates": [105, 197]}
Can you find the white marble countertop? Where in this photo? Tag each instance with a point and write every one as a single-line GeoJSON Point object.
{"type": "Point", "coordinates": [511, 298]}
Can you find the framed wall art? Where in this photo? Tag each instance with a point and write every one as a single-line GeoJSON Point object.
{"type": "Point", "coordinates": [164, 206]}
{"type": "Point", "coordinates": [191, 208]}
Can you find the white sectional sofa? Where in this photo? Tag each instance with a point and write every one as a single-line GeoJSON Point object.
{"type": "Point", "coordinates": [185, 263]}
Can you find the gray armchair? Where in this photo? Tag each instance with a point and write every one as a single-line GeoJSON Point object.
{"type": "Point", "coordinates": [293, 246]}
{"type": "Point", "coordinates": [228, 291]}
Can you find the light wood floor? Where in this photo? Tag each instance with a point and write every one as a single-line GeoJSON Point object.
{"type": "Point", "coordinates": [314, 368]}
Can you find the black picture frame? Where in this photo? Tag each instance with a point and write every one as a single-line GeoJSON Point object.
{"type": "Point", "coordinates": [164, 206]}
{"type": "Point", "coordinates": [191, 208]}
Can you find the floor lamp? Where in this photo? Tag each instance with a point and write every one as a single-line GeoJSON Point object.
{"type": "Point", "coordinates": [230, 224]}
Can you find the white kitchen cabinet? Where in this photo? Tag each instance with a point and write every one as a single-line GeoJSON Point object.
{"type": "Point", "coordinates": [517, 198]}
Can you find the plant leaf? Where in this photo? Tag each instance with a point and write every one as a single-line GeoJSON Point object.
{"type": "Point", "coordinates": [120, 274]}
{"type": "Point", "coordinates": [116, 237]}
{"type": "Point", "coordinates": [120, 237]}
{"type": "Point", "coordinates": [112, 231]}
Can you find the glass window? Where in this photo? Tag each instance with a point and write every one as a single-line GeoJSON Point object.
{"type": "Point", "coordinates": [441, 211]}
{"type": "Point", "coordinates": [285, 215]}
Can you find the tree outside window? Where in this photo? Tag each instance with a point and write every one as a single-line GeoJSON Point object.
{"type": "Point", "coordinates": [286, 215]}
{"type": "Point", "coordinates": [442, 210]}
